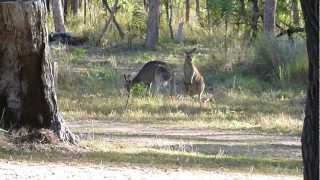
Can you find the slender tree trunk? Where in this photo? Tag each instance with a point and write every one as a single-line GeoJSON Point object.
{"type": "Point", "coordinates": [225, 38]}
{"type": "Point", "coordinates": [295, 13]}
{"type": "Point", "coordinates": [269, 16]}
{"type": "Point", "coordinates": [153, 24]}
{"type": "Point", "coordinates": [27, 89]}
{"type": "Point", "coordinates": [187, 10]}
{"type": "Point", "coordinates": [58, 15]}
{"type": "Point", "coordinates": [310, 133]}
{"type": "Point", "coordinates": [168, 6]}
{"type": "Point", "coordinates": [146, 5]}
{"type": "Point", "coordinates": [65, 9]}
{"type": "Point", "coordinates": [255, 17]}
{"type": "Point", "coordinates": [198, 9]}
{"type": "Point", "coordinates": [208, 14]}
{"type": "Point", "coordinates": [75, 7]}
{"type": "Point", "coordinates": [242, 10]}
{"type": "Point", "coordinates": [84, 11]}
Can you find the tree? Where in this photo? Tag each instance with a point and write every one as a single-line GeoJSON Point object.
{"type": "Point", "coordinates": [254, 22]}
{"type": "Point", "coordinates": [269, 16]}
{"type": "Point", "coordinates": [187, 10]}
{"type": "Point", "coordinates": [58, 15]}
{"type": "Point", "coordinates": [153, 24]}
{"type": "Point", "coordinates": [198, 9]}
{"type": "Point", "coordinates": [65, 9]}
{"type": "Point", "coordinates": [295, 13]}
{"type": "Point", "coordinates": [168, 6]}
{"type": "Point", "coordinates": [27, 89]}
{"type": "Point", "coordinates": [75, 7]}
{"type": "Point", "coordinates": [310, 133]}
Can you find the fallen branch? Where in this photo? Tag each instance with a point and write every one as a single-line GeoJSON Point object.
{"type": "Point", "coordinates": [108, 22]}
{"type": "Point", "coordinates": [108, 9]}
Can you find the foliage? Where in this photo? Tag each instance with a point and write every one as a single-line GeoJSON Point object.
{"type": "Point", "coordinates": [139, 90]}
{"type": "Point", "coordinates": [277, 59]}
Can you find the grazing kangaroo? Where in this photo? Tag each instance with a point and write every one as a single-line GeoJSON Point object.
{"type": "Point", "coordinates": [193, 80]}
{"type": "Point", "coordinates": [153, 73]}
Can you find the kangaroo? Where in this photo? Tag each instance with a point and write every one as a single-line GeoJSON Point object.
{"type": "Point", "coordinates": [153, 73]}
{"type": "Point", "coordinates": [193, 80]}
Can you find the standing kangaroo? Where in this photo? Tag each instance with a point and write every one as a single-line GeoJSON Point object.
{"type": "Point", "coordinates": [193, 80]}
{"type": "Point", "coordinates": [153, 73]}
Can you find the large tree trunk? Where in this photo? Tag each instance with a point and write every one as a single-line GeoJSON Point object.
{"type": "Point", "coordinates": [310, 134]}
{"type": "Point", "coordinates": [269, 16]}
{"type": "Point", "coordinates": [153, 24]}
{"type": "Point", "coordinates": [58, 15]}
{"type": "Point", "coordinates": [27, 89]}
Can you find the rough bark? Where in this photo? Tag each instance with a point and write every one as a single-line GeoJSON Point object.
{"type": "Point", "coordinates": [153, 24]}
{"type": "Point", "coordinates": [310, 134]}
{"type": "Point", "coordinates": [187, 10]}
{"type": "Point", "coordinates": [27, 89]}
{"type": "Point", "coordinates": [269, 16]}
{"type": "Point", "coordinates": [168, 6]}
{"type": "Point", "coordinates": [58, 15]}
{"type": "Point", "coordinates": [108, 22]}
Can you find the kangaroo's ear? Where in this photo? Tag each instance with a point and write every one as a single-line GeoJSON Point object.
{"type": "Point", "coordinates": [125, 77]}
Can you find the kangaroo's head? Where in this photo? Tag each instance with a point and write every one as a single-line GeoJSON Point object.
{"type": "Point", "coordinates": [188, 55]}
{"type": "Point", "coordinates": [127, 82]}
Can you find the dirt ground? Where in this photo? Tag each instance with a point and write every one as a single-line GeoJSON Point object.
{"type": "Point", "coordinates": [29, 171]}
{"type": "Point", "coordinates": [185, 139]}
{"type": "Point", "coordinates": [141, 134]}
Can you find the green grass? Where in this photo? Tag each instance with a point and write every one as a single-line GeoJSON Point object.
{"type": "Point", "coordinates": [239, 100]}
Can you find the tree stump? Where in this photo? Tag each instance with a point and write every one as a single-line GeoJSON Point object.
{"type": "Point", "coordinates": [27, 89]}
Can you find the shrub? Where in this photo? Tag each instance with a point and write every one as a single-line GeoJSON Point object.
{"type": "Point", "coordinates": [280, 60]}
{"type": "Point", "coordinates": [139, 89]}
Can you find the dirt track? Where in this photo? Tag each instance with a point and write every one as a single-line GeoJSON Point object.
{"type": "Point", "coordinates": [230, 142]}
{"type": "Point", "coordinates": [29, 171]}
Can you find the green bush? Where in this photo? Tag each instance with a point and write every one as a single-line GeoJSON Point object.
{"type": "Point", "coordinates": [280, 60]}
{"type": "Point", "coordinates": [139, 89]}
